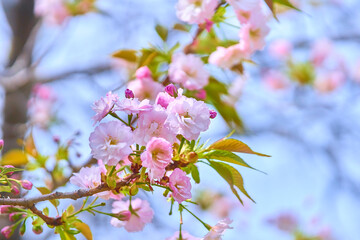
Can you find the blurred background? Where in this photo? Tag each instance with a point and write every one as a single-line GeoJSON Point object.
{"type": "Point", "coordinates": [298, 100]}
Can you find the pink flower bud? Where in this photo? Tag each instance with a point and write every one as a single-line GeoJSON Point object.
{"type": "Point", "coordinates": [7, 231]}
{"type": "Point", "coordinates": [208, 25]}
{"type": "Point", "coordinates": [212, 114]}
{"type": "Point", "coordinates": [129, 93]}
{"type": "Point", "coordinates": [1, 144]}
{"type": "Point", "coordinates": [4, 209]}
{"type": "Point", "coordinates": [37, 229]}
{"type": "Point", "coordinates": [143, 72]}
{"type": "Point", "coordinates": [56, 139]}
{"type": "Point", "coordinates": [201, 94]}
{"type": "Point", "coordinates": [15, 190]}
{"type": "Point", "coordinates": [16, 216]}
{"type": "Point", "coordinates": [171, 90]}
{"type": "Point", "coordinates": [124, 215]}
{"type": "Point", "coordinates": [26, 184]}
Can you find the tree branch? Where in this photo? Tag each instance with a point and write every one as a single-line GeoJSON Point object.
{"type": "Point", "coordinates": [29, 203]}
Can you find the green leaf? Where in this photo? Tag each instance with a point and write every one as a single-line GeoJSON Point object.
{"type": "Point", "coordinates": [5, 189]}
{"type": "Point", "coordinates": [232, 177]}
{"type": "Point", "coordinates": [7, 170]}
{"type": "Point", "coordinates": [227, 156]}
{"type": "Point", "coordinates": [22, 229]}
{"type": "Point", "coordinates": [219, 15]}
{"type": "Point", "coordinates": [233, 145]}
{"type": "Point", "coordinates": [43, 191]}
{"type": "Point", "coordinates": [84, 229]}
{"type": "Point", "coordinates": [181, 27]}
{"type": "Point", "coordinates": [15, 157]}
{"type": "Point", "coordinates": [286, 3]}
{"type": "Point", "coordinates": [126, 54]}
{"type": "Point", "coordinates": [195, 173]}
{"type": "Point", "coordinates": [270, 4]}
{"type": "Point", "coordinates": [215, 91]}
{"type": "Point", "coordinates": [162, 32]}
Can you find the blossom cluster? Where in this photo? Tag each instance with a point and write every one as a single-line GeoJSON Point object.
{"type": "Point", "coordinates": [41, 106]}
{"type": "Point", "coordinates": [148, 141]}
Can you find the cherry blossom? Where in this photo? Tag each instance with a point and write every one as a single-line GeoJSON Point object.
{"type": "Point", "coordinates": [145, 88]}
{"type": "Point", "coordinates": [53, 11]}
{"type": "Point", "coordinates": [180, 185]}
{"type": "Point", "coordinates": [141, 214]}
{"type": "Point", "coordinates": [195, 11]}
{"type": "Point", "coordinates": [133, 106]}
{"type": "Point", "coordinates": [111, 142]}
{"type": "Point", "coordinates": [188, 117]}
{"type": "Point", "coordinates": [229, 57]}
{"type": "Point", "coordinates": [156, 157]}
{"type": "Point", "coordinates": [189, 71]}
{"type": "Point", "coordinates": [104, 105]}
{"type": "Point", "coordinates": [217, 231]}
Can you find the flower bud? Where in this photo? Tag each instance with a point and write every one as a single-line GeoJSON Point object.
{"type": "Point", "coordinates": [4, 209]}
{"type": "Point", "coordinates": [26, 184]}
{"type": "Point", "coordinates": [143, 72]}
{"type": "Point", "coordinates": [9, 166]}
{"type": "Point", "coordinates": [16, 216]}
{"type": "Point", "coordinates": [129, 93]}
{"type": "Point", "coordinates": [192, 157]}
{"type": "Point", "coordinates": [171, 90]}
{"type": "Point", "coordinates": [212, 114]}
{"type": "Point", "coordinates": [201, 94]}
{"type": "Point", "coordinates": [124, 215]}
{"type": "Point", "coordinates": [15, 190]}
{"type": "Point", "coordinates": [37, 229]}
{"type": "Point", "coordinates": [56, 139]}
{"type": "Point", "coordinates": [1, 144]}
{"type": "Point", "coordinates": [7, 231]}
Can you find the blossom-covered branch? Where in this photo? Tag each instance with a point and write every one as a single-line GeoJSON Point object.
{"type": "Point", "coordinates": [29, 202]}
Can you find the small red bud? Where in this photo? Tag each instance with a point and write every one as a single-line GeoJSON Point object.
{"type": "Point", "coordinates": [37, 229]}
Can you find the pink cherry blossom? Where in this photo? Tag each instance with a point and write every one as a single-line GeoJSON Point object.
{"type": "Point", "coordinates": [90, 177]}
{"type": "Point", "coordinates": [189, 71]}
{"type": "Point", "coordinates": [87, 177]}
{"type": "Point", "coordinates": [133, 106]}
{"type": "Point", "coordinates": [163, 99]}
{"type": "Point", "coordinates": [275, 80]}
{"type": "Point", "coordinates": [201, 94]}
{"type": "Point", "coordinates": [228, 57]}
{"type": "Point", "coordinates": [243, 4]}
{"type": "Point", "coordinates": [53, 11]}
{"type": "Point", "coordinates": [217, 231]}
{"type": "Point", "coordinates": [141, 215]}
{"type": "Point", "coordinates": [253, 33]}
{"type": "Point", "coordinates": [104, 105]}
{"type": "Point", "coordinates": [321, 50]}
{"type": "Point", "coordinates": [41, 106]}
{"type": "Point", "coordinates": [195, 11]}
{"type": "Point", "coordinates": [111, 142]}
{"type": "Point", "coordinates": [180, 185]}
{"type": "Point", "coordinates": [188, 117]}
{"type": "Point", "coordinates": [281, 49]}
{"type": "Point", "coordinates": [329, 81]}
{"type": "Point", "coordinates": [285, 221]}
{"type": "Point", "coordinates": [153, 124]}
{"type": "Point", "coordinates": [145, 88]}
{"type": "Point", "coordinates": [157, 156]}
{"type": "Point", "coordinates": [143, 72]}
{"type": "Point", "coordinates": [185, 236]}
